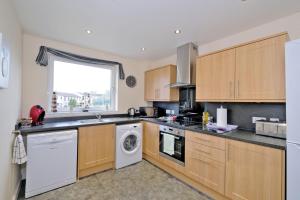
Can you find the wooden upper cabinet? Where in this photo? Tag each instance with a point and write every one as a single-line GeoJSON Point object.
{"type": "Point", "coordinates": [260, 70]}
{"type": "Point", "coordinates": [96, 149]}
{"type": "Point", "coordinates": [254, 172]}
{"type": "Point", "coordinates": [157, 84]}
{"type": "Point", "coordinates": [149, 85]}
{"type": "Point", "coordinates": [215, 76]}
{"type": "Point", "coordinates": [151, 140]}
{"type": "Point", "coordinates": [253, 72]}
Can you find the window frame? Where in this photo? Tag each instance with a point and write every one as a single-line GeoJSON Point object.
{"type": "Point", "coordinates": [113, 91]}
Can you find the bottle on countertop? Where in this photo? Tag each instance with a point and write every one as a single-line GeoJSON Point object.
{"type": "Point", "coordinates": [205, 117]}
{"type": "Point", "coordinates": [54, 102]}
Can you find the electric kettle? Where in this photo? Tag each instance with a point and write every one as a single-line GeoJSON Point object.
{"type": "Point", "coordinates": [131, 112]}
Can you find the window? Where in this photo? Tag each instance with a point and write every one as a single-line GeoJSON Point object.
{"type": "Point", "coordinates": [81, 87]}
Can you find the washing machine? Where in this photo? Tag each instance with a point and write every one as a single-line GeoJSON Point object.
{"type": "Point", "coordinates": [128, 144]}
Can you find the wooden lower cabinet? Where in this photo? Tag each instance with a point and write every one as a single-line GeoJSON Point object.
{"type": "Point", "coordinates": [204, 163]}
{"type": "Point", "coordinates": [151, 140]}
{"type": "Point", "coordinates": [254, 172]}
{"type": "Point", "coordinates": [222, 168]}
{"type": "Point", "coordinates": [96, 149]}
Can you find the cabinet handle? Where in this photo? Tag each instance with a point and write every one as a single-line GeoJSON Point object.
{"type": "Point", "coordinates": [227, 152]}
{"type": "Point", "coordinates": [202, 151]}
{"type": "Point", "coordinates": [238, 88]}
{"type": "Point", "coordinates": [204, 161]}
{"type": "Point", "coordinates": [230, 88]}
{"type": "Point", "coordinates": [202, 140]}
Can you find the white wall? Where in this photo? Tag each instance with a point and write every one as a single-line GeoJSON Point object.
{"type": "Point", "coordinates": [35, 77]}
{"type": "Point", "coordinates": [10, 100]}
{"type": "Point", "coordinates": [291, 24]}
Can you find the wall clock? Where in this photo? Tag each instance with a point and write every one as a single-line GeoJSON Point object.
{"type": "Point", "coordinates": [4, 65]}
{"type": "Point", "coordinates": [131, 81]}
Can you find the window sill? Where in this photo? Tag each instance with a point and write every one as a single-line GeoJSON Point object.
{"type": "Point", "coordinates": [79, 114]}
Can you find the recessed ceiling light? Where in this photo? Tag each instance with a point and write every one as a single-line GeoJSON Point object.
{"type": "Point", "coordinates": [88, 31]}
{"type": "Point", "coordinates": [143, 49]}
{"type": "Point", "coordinates": [177, 31]}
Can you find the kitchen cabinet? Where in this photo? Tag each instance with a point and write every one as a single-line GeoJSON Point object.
{"type": "Point", "coordinates": [96, 149]}
{"type": "Point", "coordinates": [205, 160]}
{"type": "Point", "coordinates": [150, 90]}
{"type": "Point", "coordinates": [223, 168]}
{"type": "Point", "coordinates": [151, 140]}
{"type": "Point", "coordinates": [157, 84]}
{"type": "Point", "coordinates": [215, 76]}
{"type": "Point", "coordinates": [260, 70]}
{"type": "Point", "coordinates": [252, 72]}
{"type": "Point", "coordinates": [254, 172]}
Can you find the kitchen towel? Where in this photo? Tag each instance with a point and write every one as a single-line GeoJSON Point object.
{"type": "Point", "coordinates": [169, 142]}
{"type": "Point", "coordinates": [19, 153]}
{"type": "Point", "coordinates": [215, 127]}
{"type": "Point", "coordinates": [222, 117]}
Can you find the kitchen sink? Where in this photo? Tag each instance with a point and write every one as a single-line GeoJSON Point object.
{"type": "Point", "coordinates": [102, 120]}
{"type": "Point", "coordinates": [91, 121]}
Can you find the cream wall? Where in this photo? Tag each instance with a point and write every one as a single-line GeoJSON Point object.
{"type": "Point", "coordinates": [35, 77]}
{"type": "Point", "coordinates": [291, 24]}
{"type": "Point", "coordinates": [10, 100]}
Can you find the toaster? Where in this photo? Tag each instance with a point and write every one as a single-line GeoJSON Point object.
{"type": "Point", "coordinates": [270, 128]}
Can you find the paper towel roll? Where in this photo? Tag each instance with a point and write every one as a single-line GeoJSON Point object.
{"type": "Point", "coordinates": [222, 117]}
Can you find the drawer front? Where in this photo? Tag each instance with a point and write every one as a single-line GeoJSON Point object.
{"type": "Point", "coordinates": [206, 140]}
{"type": "Point", "coordinates": [206, 171]}
{"type": "Point", "coordinates": [206, 151]}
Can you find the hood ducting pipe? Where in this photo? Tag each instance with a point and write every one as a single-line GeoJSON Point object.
{"type": "Point", "coordinates": [186, 66]}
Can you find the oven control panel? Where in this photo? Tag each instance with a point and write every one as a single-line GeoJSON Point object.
{"type": "Point", "coordinates": [172, 130]}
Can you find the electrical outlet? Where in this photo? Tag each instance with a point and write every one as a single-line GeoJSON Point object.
{"type": "Point", "coordinates": [254, 119]}
{"type": "Point", "coordinates": [274, 119]}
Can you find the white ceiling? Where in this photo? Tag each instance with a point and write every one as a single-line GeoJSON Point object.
{"type": "Point", "coordinates": [125, 26]}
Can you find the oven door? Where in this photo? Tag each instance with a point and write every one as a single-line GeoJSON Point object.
{"type": "Point", "coordinates": [172, 146]}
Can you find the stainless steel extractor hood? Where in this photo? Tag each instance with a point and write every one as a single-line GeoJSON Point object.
{"type": "Point", "coordinates": [186, 66]}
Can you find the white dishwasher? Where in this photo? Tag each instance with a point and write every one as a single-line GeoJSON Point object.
{"type": "Point", "coordinates": [52, 161]}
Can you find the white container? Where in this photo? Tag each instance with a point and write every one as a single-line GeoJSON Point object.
{"type": "Point", "coordinates": [222, 117]}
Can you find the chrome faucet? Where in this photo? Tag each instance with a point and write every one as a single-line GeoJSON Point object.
{"type": "Point", "coordinates": [98, 116]}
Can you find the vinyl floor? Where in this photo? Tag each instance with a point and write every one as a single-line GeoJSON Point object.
{"type": "Point", "coordinates": [142, 181]}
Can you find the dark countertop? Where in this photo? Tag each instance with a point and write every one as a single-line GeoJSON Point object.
{"type": "Point", "coordinates": [240, 135]}
{"type": "Point", "coordinates": [77, 123]}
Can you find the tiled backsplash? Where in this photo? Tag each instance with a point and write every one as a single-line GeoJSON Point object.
{"type": "Point", "coordinates": [168, 106]}
{"type": "Point", "coordinates": [238, 113]}
{"type": "Point", "coordinates": [242, 113]}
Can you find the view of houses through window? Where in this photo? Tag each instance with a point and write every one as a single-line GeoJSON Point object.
{"type": "Point", "coordinates": [82, 88]}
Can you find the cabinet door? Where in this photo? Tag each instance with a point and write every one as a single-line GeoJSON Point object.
{"type": "Point", "coordinates": [151, 140]}
{"type": "Point", "coordinates": [96, 148]}
{"type": "Point", "coordinates": [174, 92]}
{"type": "Point", "coordinates": [149, 85]}
{"type": "Point", "coordinates": [203, 169]}
{"type": "Point", "coordinates": [157, 84]}
{"type": "Point", "coordinates": [163, 79]}
{"type": "Point", "coordinates": [260, 71]}
{"type": "Point", "coordinates": [215, 76]}
{"type": "Point", "coordinates": [253, 172]}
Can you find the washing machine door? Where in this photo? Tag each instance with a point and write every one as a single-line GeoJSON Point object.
{"type": "Point", "coordinates": [130, 142]}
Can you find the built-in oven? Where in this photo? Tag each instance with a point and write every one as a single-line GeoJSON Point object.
{"type": "Point", "coordinates": [172, 143]}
